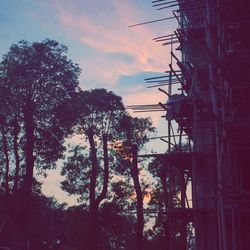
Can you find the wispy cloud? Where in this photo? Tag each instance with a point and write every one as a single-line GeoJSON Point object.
{"type": "Point", "coordinates": [103, 27]}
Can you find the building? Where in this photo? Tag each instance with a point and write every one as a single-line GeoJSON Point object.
{"type": "Point", "coordinates": [212, 108]}
{"type": "Point", "coordinates": [215, 44]}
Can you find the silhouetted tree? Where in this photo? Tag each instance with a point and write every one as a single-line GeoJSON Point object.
{"type": "Point", "coordinates": [115, 223]}
{"type": "Point", "coordinates": [134, 133]}
{"type": "Point", "coordinates": [97, 115]}
{"type": "Point", "coordinates": [39, 79]}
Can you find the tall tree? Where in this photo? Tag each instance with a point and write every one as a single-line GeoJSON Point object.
{"type": "Point", "coordinates": [40, 79]}
{"type": "Point", "coordinates": [113, 223]}
{"type": "Point", "coordinates": [98, 112]}
{"type": "Point", "coordinates": [134, 133]}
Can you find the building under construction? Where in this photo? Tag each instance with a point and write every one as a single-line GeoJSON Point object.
{"type": "Point", "coordinates": [211, 107]}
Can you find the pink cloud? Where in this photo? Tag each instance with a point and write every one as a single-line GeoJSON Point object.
{"type": "Point", "coordinates": [103, 26]}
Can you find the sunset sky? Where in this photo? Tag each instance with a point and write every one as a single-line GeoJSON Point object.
{"type": "Point", "coordinates": [96, 32]}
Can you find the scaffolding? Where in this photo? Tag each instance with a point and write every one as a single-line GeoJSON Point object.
{"type": "Point", "coordinates": [211, 108]}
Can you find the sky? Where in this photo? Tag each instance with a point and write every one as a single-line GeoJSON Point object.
{"type": "Point", "coordinates": [96, 32]}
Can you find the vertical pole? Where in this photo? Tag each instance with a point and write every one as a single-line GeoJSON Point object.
{"type": "Point", "coordinates": [211, 41]}
{"type": "Point", "coordinates": [194, 157]}
{"type": "Point", "coordinates": [183, 200]}
{"type": "Point", "coordinates": [169, 150]}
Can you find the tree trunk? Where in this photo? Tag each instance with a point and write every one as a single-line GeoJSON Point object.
{"type": "Point", "coordinates": [103, 194]}
{"type": "Point", "coordinates": [17, 158]}
{"type": "Point", "coordinates": [93, 210]}
{"type": "Point", "coordinates": [22, 214]}
{"type": "Point", "coordinates": [29, 149]}
{"type": "Point", "coordinates": [7, 161]}
{"type": "Point", "coordinates": [139, 199]}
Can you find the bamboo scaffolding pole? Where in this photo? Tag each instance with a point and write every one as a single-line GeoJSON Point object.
{"type": "Point", "coordinates": [159, 37]}
{"type": "Point", "coordinates": [160, 85]}
{"type": "Point", "coordinates": [160, 4]}
{"type": "Point", "coordinates": [170, 43]}
{"type": "Point", "coordinates": [148, 111]}
{"type": "Point", "coordinates": [166, 136]}
{"type": "Point", "coordinates": [165, 1]}
{"type": "Point", "coordinates": [164, 39]}
{"type": "Point", "coordinates": [212, 77]}
{"type": "Point", "coordinates": [162, 81]}
{"type": "Point", "coordinates": [156, 1]}
{"type": "Point", "coordinates": [193, 3]}
{"type": "Point", "coordinates": [169, 6]}
{"type": "Point", "coordinates": [149, 22]}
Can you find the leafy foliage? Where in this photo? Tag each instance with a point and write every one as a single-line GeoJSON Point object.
{"type": "Point", "coordinates": [39, 79]}
{"type": "Point", "coordinates": [77, 170]}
